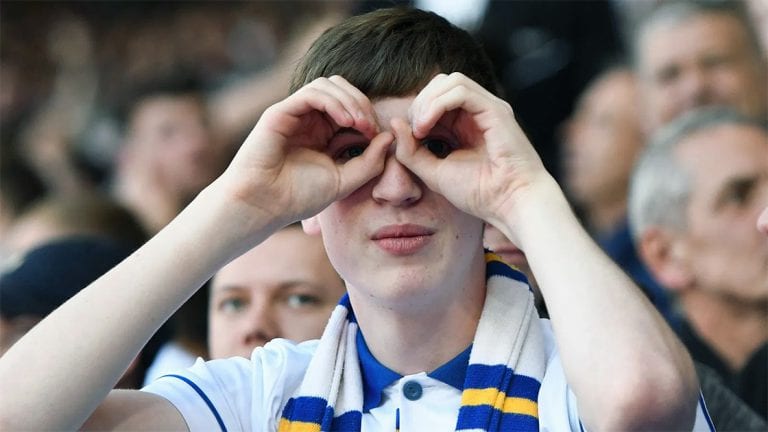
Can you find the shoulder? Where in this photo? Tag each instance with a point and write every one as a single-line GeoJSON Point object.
{"type": "Point", "coordinates": [237, 393]}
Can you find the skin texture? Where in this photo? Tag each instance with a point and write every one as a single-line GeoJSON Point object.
{"type": "Point", "coordinates": [703, 60]}
{"type": "Point", "coordinates": [285, 287]}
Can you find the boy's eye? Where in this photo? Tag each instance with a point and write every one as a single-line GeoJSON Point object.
{"type": "Point", "coordinates": [439, 147]}
{"type": "Point", "coordinates": [348, 153]}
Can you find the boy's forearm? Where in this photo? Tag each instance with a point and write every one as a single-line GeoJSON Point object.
{"type": "Point", "coordinates": [70, 361]}
{"type": "Point", "coordinates": [618, 353]}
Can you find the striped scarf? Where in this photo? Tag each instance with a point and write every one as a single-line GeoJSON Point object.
{"type": "Point", "coordinates": [503, 376]}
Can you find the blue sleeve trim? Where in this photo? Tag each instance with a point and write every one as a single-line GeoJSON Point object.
{"type": "Point", "coordinates": [703, 406]}
{"type": "Point", "coordinates": [204, 397]}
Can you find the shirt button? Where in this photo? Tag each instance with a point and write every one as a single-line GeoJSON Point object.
{"type": "Point", "coordinates": [412, 390]}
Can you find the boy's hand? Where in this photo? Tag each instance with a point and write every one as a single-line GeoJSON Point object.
{"type": "Point", "coordinates": [494, 166]}
{"type": "Point", "coordinates": [282, 169]}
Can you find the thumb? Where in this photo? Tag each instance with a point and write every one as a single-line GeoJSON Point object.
{"type": "Point", "coordinates": [358, 171]}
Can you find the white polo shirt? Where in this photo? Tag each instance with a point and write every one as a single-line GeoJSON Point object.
{"type": "Point", "coordinates": [249, 395]}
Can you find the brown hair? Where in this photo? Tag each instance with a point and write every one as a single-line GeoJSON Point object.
{"type": "Point", "coordinates": [394, 52]}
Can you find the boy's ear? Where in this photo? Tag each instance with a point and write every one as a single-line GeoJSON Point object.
{"type": "Point", "coordinates": [311, 226]}
{"type": "Point", "coordinates": [666, 255]}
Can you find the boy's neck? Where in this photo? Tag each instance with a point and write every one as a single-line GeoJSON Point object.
{"type": "Point", "coordinates": [415, 340]}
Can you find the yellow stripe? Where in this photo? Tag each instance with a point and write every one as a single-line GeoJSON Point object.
{"type": "Point", "coordinates": [490, 256]}
{"type": "Point", "coordinates": [516, 405]}
{"type": "Point", "coordinates": [498, 400]}
{"type": "Point", "coordinates": [297, 426]}
{"type": "Point", "coordinates": [472, 397]}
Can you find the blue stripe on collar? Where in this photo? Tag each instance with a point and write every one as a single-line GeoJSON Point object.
{"type": "Point", "coordinates": [377, 377]}
{"type": "Point", "coordinates": [454, 372]}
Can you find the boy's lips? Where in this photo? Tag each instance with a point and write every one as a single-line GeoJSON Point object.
{"type": "Point", "coordinates": [400, 240]}
{"type": "Point", "coordinates": [403, 230]}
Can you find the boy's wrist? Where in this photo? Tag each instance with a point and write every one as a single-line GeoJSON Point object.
{"type": "Point", "coordinates": [541, 204]}
{"type": "Point", "coordinates": [224, 220]}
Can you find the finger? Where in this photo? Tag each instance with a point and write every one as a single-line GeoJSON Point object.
{"type": "Point", "coordinates": [434, 86]}
{"type": "Point", "coordinates": [366, 114]}
{"type": "Point", "coordinates": [349, 97]}
{"type": "Point", "coordinates": [358, 171]}
{"type": "Point", "coordinates": [354, 102]}
{"type": "Point", "coordinates": [443, 94]}
{"type": "Point", "coordinates": [285, 117]}
{"type": "Point", "coordinates": [412, 154]}
{"type": "Point", "coordinates": [458, 97]}
{"type": "Point", "coordinates": [321, 99]}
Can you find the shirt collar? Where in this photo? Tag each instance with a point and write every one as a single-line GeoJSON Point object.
{"type": "Point", "coordinates": [377, 377]}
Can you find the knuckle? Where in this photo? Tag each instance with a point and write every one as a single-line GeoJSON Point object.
{"type": "Point", "coordinates": [321, 81]}
{"type": "Point", "coordinates": [457, 76]}
{"type": "Point", "coordinates": [507, 107]}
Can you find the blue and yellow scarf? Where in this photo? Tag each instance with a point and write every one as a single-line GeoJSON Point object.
{"type": "Point", "coordinates": [503, 378]}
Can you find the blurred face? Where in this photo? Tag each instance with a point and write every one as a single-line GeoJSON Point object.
{"type": "Point", "coordinates": [170, 139]}
{"type": "Point", "coordinates": [602, 141]}
{"type": "Point", "coordinates": [703, 60]}
{"type": "Point", "coordinates": [394, 240]}
{"type": "Point", "coordinates": [728, 166]}
{"type": "Point", "coordinates": [285, 287]}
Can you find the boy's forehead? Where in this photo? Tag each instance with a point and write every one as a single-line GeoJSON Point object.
{"type": "Point", "coordinates": [390, 107]}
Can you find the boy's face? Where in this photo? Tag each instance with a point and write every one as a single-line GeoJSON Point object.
{"type": "Point", "coordinates": [394, 232]}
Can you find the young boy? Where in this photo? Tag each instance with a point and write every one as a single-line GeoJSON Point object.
{"type": "Point", "coordinates": [397, 165]}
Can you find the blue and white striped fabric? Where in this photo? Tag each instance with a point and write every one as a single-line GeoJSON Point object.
{"type": "Point", "coordinates": [503, 378]}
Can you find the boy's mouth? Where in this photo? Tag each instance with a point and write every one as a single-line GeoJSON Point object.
{"type": "Point", "coordinates": [400, 240]}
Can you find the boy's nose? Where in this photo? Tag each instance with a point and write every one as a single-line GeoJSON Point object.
{"type": "Point", "coordinates": [396, 185]}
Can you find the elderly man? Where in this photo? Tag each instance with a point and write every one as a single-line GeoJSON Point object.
{"type": "Point", "coordinates": [694, 54]}
{"type": "Point", "coordinates": [694, 200]}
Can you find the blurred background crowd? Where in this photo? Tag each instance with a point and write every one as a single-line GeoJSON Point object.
{"type": "Point", "coordinates": [114, 115]}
